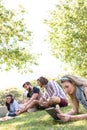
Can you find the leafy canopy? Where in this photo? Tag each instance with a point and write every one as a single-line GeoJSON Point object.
{"type": "Point", "coordinates": [15, 40]}
{"type": "Point", "coordinates": [68, 33]}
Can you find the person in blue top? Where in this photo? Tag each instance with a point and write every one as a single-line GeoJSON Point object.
{"type": "Point", "coordinates": [12, 105]}
{"type": "Point", "coordinates": [76, 88]}
{"type": "Point", "coordinates": [34, 93]}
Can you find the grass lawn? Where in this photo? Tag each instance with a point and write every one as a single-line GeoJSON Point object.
{"type": "Point", "coordinates": [40, 120]}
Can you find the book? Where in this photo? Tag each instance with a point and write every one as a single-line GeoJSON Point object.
{"type": "Point", "coordinates": [53, 113]}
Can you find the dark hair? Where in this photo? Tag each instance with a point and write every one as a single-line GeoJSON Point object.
{"type": "Point", "coordinates": [42, 80]}
{"type": "Point", "coordinates": [26, 83]}
{"type": "Point", "coordinates": [12, 99]}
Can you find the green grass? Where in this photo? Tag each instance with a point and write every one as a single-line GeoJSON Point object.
{"type": "Point", "coordinates": [40, 120]}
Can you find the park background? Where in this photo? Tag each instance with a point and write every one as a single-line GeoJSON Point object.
{"type": "Point", "coordinates": [52, 34]}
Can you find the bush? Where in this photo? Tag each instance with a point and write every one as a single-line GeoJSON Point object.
{"type": "Point", "coordinates": [14, 91]}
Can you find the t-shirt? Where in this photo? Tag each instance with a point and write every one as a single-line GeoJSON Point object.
{"type": "Point", "coordinates": [35, 90]}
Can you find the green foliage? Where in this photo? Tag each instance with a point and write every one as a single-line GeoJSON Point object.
{"type": "Point", "coordinates": [14, 91]}
{"type": "Point", "coordinates": [15, 40]}
{"type": "Point", "coordinates": [68, 33]}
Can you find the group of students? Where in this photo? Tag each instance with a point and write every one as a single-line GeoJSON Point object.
{"type": "Point", "coordinates": [54, 94]}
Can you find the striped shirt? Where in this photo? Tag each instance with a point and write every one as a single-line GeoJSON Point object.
{"type": "Point", "coordinates": [53, 89]}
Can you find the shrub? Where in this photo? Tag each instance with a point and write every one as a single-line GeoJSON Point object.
{"type": "Point", "coordinates": [14, 91]}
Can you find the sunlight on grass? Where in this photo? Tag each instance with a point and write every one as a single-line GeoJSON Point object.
{"type": "Point", "coordinates": [80, 123]}
{"type": "Point", "coordinates": [45, 117]}
{"type": "Point", "coordinates": [40, 120]}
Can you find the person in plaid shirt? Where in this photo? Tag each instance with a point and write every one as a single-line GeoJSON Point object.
{"type": "Point", "coordinates": [53, 93]}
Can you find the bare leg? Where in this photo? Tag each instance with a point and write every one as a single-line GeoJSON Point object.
{"type": "Point", "coordinates": [54, 100]}
{"type": "Point", "coordinates": [78, 117]}
{"type": "Point", "coordinates": [45, 104]}
{"type": "Point", "coordinates": [65, 117]}
{"type": "Point", "coordinates": [31, 105]}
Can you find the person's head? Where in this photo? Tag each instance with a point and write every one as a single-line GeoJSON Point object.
{"type": "Point", "coordinates": [69, 82]}
{"type": "Point", "coordinates": [68, 85]}
{"type": "Point", "coordinates": [42, 81]}
{"type": "Point", "coordinates": [27, 86]}
{"type": "Point", "coordinates": [9, 98]}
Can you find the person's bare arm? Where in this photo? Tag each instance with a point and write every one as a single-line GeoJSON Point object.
{"type": "Point", "coordinates": [25, 103]}
{"type": "Point", "coordinates": [34, 96]}
{"type": "Point", "coordinates": [27, 100]}
{"type": "Point", "coordinates": [75, 105]}
{"type": "Point", "coordinates": [85, 92]}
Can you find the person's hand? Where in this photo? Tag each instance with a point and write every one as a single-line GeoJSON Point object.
{"type": "Point", "coordinates": [61, 115]}
{"type": "Point", "coordinates": [18, 112]}
{"type": "Point", "coordinates": [41, 102]}
{"type": "Point", "coordinates": [64, 117]}
{"type": "Point", "coordinates": [58, 109]}
{"type": "Point", "coordinates": [46, 104]}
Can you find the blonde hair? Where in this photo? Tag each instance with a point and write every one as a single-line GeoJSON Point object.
{"type": "Point", "coordinates": [76, 79]}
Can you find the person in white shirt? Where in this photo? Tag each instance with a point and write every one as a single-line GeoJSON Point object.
{"type": "Point", "coordinates": [12, 105]}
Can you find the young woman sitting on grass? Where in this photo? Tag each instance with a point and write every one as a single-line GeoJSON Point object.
{"type": "Point", "coordinates": [76, 88]}
{"type": "Point", "coordinates": [12, 106]}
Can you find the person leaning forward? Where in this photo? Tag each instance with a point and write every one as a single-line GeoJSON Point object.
{"type": "Point", "coordinates": [76, 88]}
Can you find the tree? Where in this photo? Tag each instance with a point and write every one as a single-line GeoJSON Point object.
{"type": "Point", "coordinates": [15, 40]}
{"type": "Point", "coordinates": [68, 33]}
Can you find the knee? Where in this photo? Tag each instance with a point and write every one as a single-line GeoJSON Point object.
{"type": "Point", "coordinates": [51, 101]}
{"type": "Point", "coordinates": [54, 100]}
{"type": "Point", "coordinates": [35, 102]}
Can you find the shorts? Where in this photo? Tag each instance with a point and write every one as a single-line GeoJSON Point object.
{"type": "Point", "coordinates": [63, 103]}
